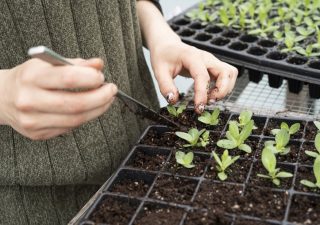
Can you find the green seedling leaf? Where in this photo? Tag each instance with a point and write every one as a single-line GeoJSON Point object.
{"type": "Point", "coordinates": [245, 147]}
{"type": "Point", "coordinates": [246, 131]}
{"type": "Point", "coordinates": [185, 159]}
{"type": "Point", "coordinates": [233, 129]}
{"type": "Point", "coordinates": [210, 119]}
{"type": "Point", "coordinates": [312, 154]}
{"type": "Point", "coordinates": [282, 139]}
{"type": "Point", "coordinates": [316, 172]}
{"type": "Point", "coordinates": [284, 175]}
{"type": "Point", "coordinates": [275, 131]}
{"type": "Point", "coordinates": [185, 136]}
{"type": "Point", "coordinates": [317, 124]}
{"type": "Point", "coordinates": [175, 111]}
{"type": "Point", "coordinates": [308, 183]}
{"type": "Point", "coordinates": [294, 128]}
{"type": "Point", "coordinates": [193, 137]}
{"type": "Point", "coordinates": [223, 163]}
{"type": "Point", "coordinates": [226, 144]}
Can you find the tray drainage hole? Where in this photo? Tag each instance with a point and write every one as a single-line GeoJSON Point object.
{"type": "Point", "coordinates": [277, 55]}
{"type": "Point", "coordinates": [267, 43]}
{"type": "Point", "coordinates": [213, 30]}
{"type": "Point", "coordinates": [186, 33]}
{"type": "Point", "coordinates": [315, 65]}
{"type": "Point", "coordinates": [181, 22]}
{"type": "Point", "coordinates": [257, 51]}
{"type": "Point", "coordinates": [231, 34]}
{"type": "Point", "coordinates": [174, 27]}
{"type": "Point", "coordinates": [296, 60]}
{"type": "Point", "coordinates": [248, 38]}
{"type": "Point", "coordinates": [238, 46]}
{"type": "Point", "coordinates": [220, 41]}
{"type": "Point", "coordinates": [196, 26]}
{"type": "Point", "coordinates": [203, 37]}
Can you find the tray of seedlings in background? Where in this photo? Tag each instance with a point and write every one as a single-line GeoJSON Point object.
{"type": "Point", "coordinates": [278, 38]}
{"type": "Point", "coordinates": [226, 169]}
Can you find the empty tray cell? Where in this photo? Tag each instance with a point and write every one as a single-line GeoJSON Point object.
{"type": "Point", "coordinates": [207, 217]}
{"type": "Point", "coordinates": [314, 91]}
{"type": "Point", "coordinates": [237, 172]}
{"type": "Point", "coordinates": [267, 43]}
{"type": "Point", "coordinates": [255, 75]}
{"type": "Point", "coordinates": [157, 214]}
{"type": "Point", "coordinates": [159, 136]}
{"type": "Point", "coordinates": [258, 51]}
{"type": "Point", "coordinates": [231, 34]}
{"type": "Point", "coordinates": [264, 203]}
{"type": "Point", "coordinates": [303, 157]}
{"type": "Point", "coordinates": [182, 22]}
{"type": "Point", "coordinates": [258, 168]}
{"type": "Point", "coordinates": [274, 123]}
{"type": "Point", "coordinates": [219, 196]}
{"type": "Point", "coordinates": [248, 38]}
{"type": "Point", "coordinates": [311, 131]}
{"type": "Point", "coordinates": [114, 210]}
{"type": "Point", "coordinates": [315, 65]}
{"type": "Point", "coordinates": [238, 46]}
{"type": "Point", "coordinates": [295, 86]}
{"type": "Point", "coordinates": [186, 33]}
{"type": "Point", "coordinates": [133, 183]}
{"type": "Point", "coordinates": [213, 29]}
{"type": "Point", "coordinates": [275, 81]}
{"type": "Point", "coordinates": [220, 41]}
{"type": "Point", "coordinates": [297, 60]}
{"type": "Point", "coordinates": [174, 189]}
{"type": "Point", "coordinates": [148, 158]}
{"type": "Point", "coordinates": [276, 55]}
{"type": "Point", "coordinates": [305, 210]}
{"type": "Point", "coordinates": [199, 160]}
{"type": "Point", "coordinates": [259, 122]}
{"type": "Point", "coordinates": [305, 173]}
{"type": "Point", "coordinates": [196, 26]}
{"type": "Point", "coordinates": [203, 37]}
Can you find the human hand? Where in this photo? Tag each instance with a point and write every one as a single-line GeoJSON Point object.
{"type": "Point", "coordinates": [173, 58]}
{"type": "Point", "coordinates": [36, 102]}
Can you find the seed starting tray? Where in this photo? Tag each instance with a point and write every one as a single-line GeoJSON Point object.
{"type": "Point", "coordinates": [258, 55]}
{"type": "Point", "coordinates": [197, 196]}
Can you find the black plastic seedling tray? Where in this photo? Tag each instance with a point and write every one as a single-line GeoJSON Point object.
{"type": "Point", "coordinates": [258, 55]}
{"type": "Point", "coordinates": [150, 188]}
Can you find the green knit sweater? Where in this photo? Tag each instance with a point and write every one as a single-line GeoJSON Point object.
{"type": "Point", "coordinates": [45, 182]}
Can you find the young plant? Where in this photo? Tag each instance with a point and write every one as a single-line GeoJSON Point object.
{"type": "Point", "coordinates": [185, 159]}
{"type": "Point", "coordinates": [310, 51]}
{"type": "Point", "coordinates": [235, 138]}
{"type": "Point", "coordinates": [210, 118]}
{"type": "Point", "coordinates": [175, 111]}
{"type": "Point", "coordinates": [195, 138]}
{"type": "Point", "coordinates": [244, 118]}
{"type": "Point", "coordinates": [269, 162]}
{"type": "Point", "coordinates": [280, 144]}
{"type": "Point", "coordinates": [294, 128]}
{"type": "Point", "coordinates": [317, 124]}
{"type": "Point", "coordinates": [316, 172]}
{"type": "Point", "coordinates": [224, 163]}
{"type": "Point", "coordinates": [317, 145]}
{"type": "Point", "coordinates": [290, 40]}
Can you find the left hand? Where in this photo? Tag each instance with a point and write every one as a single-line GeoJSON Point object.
{"type": "Point", "coordinates": [170, 59]}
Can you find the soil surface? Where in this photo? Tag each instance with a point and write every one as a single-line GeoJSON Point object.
{"type": "Point", "coordinates": [237, 172]}
{"type": "Point", "coordinates": [174, 189]}
{"type": "Point", "coordinates": [147, 161]}
{"type": "Point", "coordinates": [212, 217]}
{"type": "Point", "coordinates": [311, 131]}
{"type": "Point", "coordinates": [305, 210]}
{"type": "Point", "coordinates": [137, 188]}
{"type": "Point", "coordinates": [113, 210]}
{"type": "Point", "coordinates": [157, 138]}
{"type": "Point", "coordinates": [275, 124]}
{"type": "Point", "coordinates": [305, 173]}
{"type": "Point", "coordinates": [158, 215]}
{"type": "Point", "coordinates": [251, 222]}
{"type": "Point", "coordinates": [259, 122]}
{"type": "Point", "coordinates": [285, 183]}
{"type": "Point", "coordinates": [304, 158]}
{"type": "Point", "coordinates": [200, 162]}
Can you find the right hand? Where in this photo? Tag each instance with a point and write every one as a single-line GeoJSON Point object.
{"type": "Point", "coordinates": [34, 100]}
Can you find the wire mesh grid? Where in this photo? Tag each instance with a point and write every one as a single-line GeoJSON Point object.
{"type": "Point", "coordinates": [265, 100]}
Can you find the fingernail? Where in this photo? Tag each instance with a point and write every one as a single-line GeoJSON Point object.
{"type": "Point", "coordinates": [212, 101]}
{"type": "Point", "coordinates": [170, 97]}
{"type": "Point", "coordinates": [216, 89]}
{"type": "Point", "coordinates": [201, 107]}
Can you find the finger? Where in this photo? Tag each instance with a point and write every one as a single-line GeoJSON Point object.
{"type": "Point", "coordinates": [47, 133]}
{"type": "Point", "coordinates": [96, 63]}
{"type": "Point", "coordinates": [64, 102]}
{"type": "Point", "coordinates": [166, 84]}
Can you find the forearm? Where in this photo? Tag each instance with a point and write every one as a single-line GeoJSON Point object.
{"type": "Point", "coordinates": [154, 28]}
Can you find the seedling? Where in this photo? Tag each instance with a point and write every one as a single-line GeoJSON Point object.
{"type": "Point", "coordinates": [316, 172]}
{"type": "Point", "coordinates": [269, 162]}
{"type": "Point", "coordinates": [317, 124]}
{"type": "Point", "coordinates": [317, 145]}
{"type": "Point", "coordinates": [224, 163]}
{"type": "Point", "coordinates": [290, 40]}
{"type": "Point", "coordinates": [185, 159]}
{"type": "Point", "coordinates": [175, 111]}
{"type": "Point", "coordinates": [294, 128]}
{"type": "Point", "coordinates": [210, 118]}
{"type": "Point", "coordinates": [280, 144]}
{"type": "Point", "coordinates": [195, 138]}
{"type": "Point", "coordinates": [310, 51]}
{"type": "Point", "coordinates": [244, 118]}
{"type": "Point", "coordinates": [235, 138]}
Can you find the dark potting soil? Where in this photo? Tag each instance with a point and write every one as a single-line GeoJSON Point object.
{"type": "Point", "coordinates": [154, 138]}
{"type": "Point", "coordinates": [259, 122]}
{"type": "Point", "coordinates": [264, 204]}
{"type": "Point", "coordinates": [237, 172]}
{"type": "Point", "coordinates": [251, 222]}
{"type": "Point", "coordinates": [210, 217]}
{"type": "Point", "coordinates": [311, 131]}
{"type": "Point", "coordinates": [285, 183]}
{"type": "Point", "coordinates": [200, 162]}
{"type": "Point", "coordinates": [275, 124]}
{"type": "Point", "coordinates": [305, 173]}
{"type": "Point", "coordinates": [114, 210]}
{"type": "Point", "coordinates": [137, 188]}
{"type": "Point", "coordinates": [304, 158]}
{"type": "Point", "coordinates": [174, 189]}
{"type": "Point", "coordinates": [305, 210]}
{"type": "Point", "coordinates": [148, 162]}
{"type": "Point", "coordinates": [158, 215]}
{"type": "Point", "coordinates": [291, 157]}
